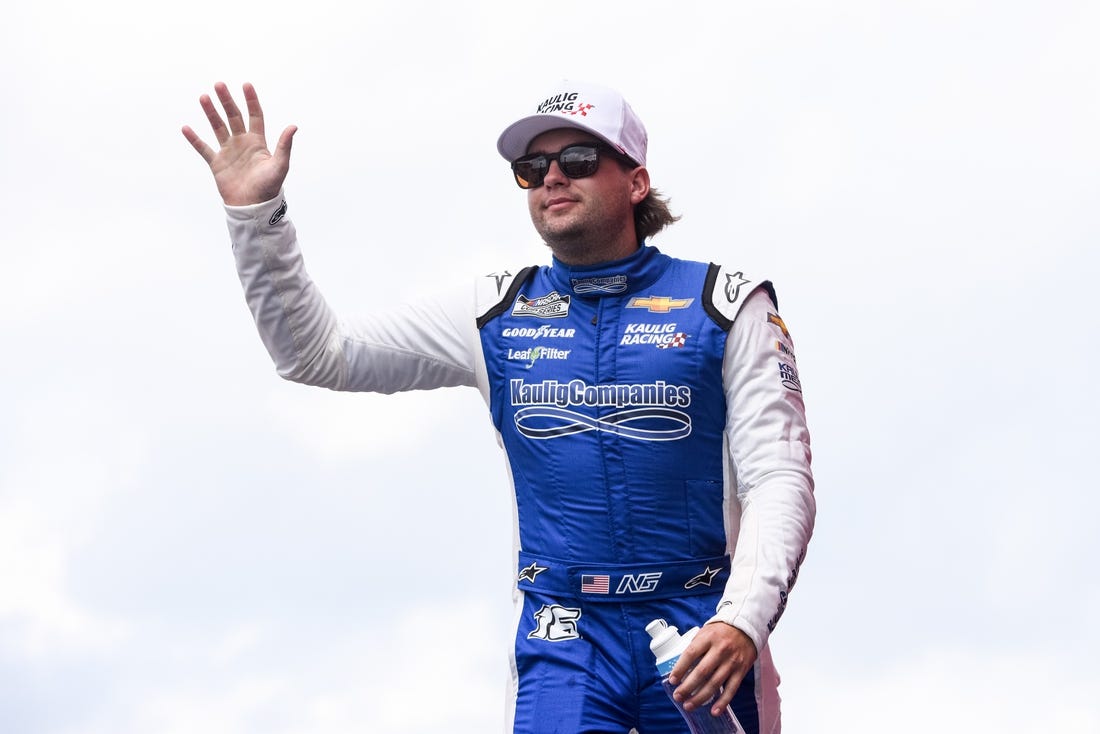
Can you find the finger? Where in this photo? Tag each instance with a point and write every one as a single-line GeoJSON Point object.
{"type": "Point", "coordinates": [685, 664]}
{"type": "Point", "coordinates": [232, 112]}
{"type": "Point", "coordinates": [696, 687]}
{"type": "Point", "coordinates": [718, 679]}
{"type": "Point", "coordinates": [281, 154]}
{"type": "Point", "coordinates": [729, 689]}
{"type": "Point", "coordinates": [702, 695]}
{"type": "Point", "coordinates": [203, 149]}
{"type": "Point", "coordinates": [255, 112]}
{"type": "Point", "coordinates": [215, 119]}
{"type": "Point", "coordinates": [282, 148]}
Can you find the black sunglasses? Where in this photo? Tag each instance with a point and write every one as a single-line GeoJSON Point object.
{"type": "Point", "coordinates": [575, 161]}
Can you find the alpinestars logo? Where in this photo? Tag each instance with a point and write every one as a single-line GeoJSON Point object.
{"type": "Point", "coordinates": [646, 412]}
{"type": "Point", "coordinates": [278, 215]}
{"type": "Point", "coordinates": [551, 306]}
{"type": "Point", "coordinates": [555, 623]}
{"type": "Point", "coordinates": [530, 573]}
{"type": "Point", "coordinates": [706, 578]}
{"type": "Point", "coordinates": [733, 286]}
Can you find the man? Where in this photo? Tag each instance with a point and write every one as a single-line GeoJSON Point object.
{"type": "Point", "coordinates": [649, 409]}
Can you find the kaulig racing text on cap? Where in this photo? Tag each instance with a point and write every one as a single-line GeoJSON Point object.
{"type": "Point", "coordinates": [589, 107]}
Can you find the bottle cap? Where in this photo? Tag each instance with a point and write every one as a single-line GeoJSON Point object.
{"type": "Point", "coordinates": [667, 642]}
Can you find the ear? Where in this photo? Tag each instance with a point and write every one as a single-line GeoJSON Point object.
{"type": "Point", "coordinates": [639, 185]}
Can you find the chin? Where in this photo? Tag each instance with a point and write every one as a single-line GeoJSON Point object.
{"type": "Point", "coordinates": [567, 224]}
{"type": "Point", "coordinates": [564, 238]}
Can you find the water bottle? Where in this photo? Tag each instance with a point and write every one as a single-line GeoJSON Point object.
{"type": "Point", "coordinates": [667, 644]}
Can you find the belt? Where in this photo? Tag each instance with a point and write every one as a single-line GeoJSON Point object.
{"type": "Point", "coordinates": [621, 582]}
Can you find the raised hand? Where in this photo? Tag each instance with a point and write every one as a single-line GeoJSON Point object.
{"type": "Point", "coordinates": [245, 171]}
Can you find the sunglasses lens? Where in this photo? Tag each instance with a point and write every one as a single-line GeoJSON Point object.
{"type": "Point", "coordinates": [578, 161]}
{"type": "Point", "coordinates": [530, 171]}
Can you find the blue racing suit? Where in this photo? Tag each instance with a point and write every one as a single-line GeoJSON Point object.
{"type": "Point", "coordinates": [652, 422]}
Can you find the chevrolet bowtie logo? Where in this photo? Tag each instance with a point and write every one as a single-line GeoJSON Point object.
{"type": "Point", "coordinates": [659, 304]}
{"type": "Point", "coordinates": [774, 318]}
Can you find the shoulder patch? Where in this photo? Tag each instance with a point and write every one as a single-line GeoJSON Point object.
{"type": "Point", "coordinates": [726, 290]}
{"type": "Point", "coordinates": [495, 291]}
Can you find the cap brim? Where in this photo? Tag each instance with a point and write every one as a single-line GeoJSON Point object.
{"type": "Point", "coordinates": [515, 139]}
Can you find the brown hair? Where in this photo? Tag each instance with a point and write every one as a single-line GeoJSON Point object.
{"type": "Point", "coordinates": [652, 215]}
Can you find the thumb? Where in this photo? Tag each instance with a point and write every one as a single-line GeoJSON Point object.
{"type": "Point", "coordinates": [282, 148]}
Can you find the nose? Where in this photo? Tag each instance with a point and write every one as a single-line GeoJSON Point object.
{"type": "Point", "coordinates": [554, 176]}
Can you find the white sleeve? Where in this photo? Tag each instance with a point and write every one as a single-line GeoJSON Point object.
{"type": "Point", "coordinates": [430, 344]}
{"type": "Point", "coordinates": [772, 515]}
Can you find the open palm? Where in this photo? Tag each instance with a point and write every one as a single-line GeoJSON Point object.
{"type": "Point", "coordinates": [245, 171]}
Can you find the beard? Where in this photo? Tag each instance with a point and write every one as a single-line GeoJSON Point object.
{"type": "Point", "coordinates": [585, 235]}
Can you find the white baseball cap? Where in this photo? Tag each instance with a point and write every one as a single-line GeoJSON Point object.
{"type": "Point", "coordinates": [589, 107]}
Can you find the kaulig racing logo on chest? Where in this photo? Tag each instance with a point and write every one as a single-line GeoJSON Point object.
{"type": "Point", "coordinates": [662, 336]}
{"type": "Point", "coordinates": [644, 412]}
{"type": "Point", "coordinates": [551, 306]}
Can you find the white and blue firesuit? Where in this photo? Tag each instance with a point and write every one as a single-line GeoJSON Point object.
{"type": "Point", "coordinates": [653, 426]}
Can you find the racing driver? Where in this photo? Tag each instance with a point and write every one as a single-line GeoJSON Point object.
{"type": "Point", "coordinates": [649, 409]}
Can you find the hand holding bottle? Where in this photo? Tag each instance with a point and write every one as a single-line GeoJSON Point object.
{"type": "Point", "coordinates": [669, 646]}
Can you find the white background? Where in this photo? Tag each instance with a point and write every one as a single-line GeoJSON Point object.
{"type": "Point", "coordinates": [189, 544]}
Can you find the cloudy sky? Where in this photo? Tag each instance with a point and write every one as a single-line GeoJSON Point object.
{"type": "Point", "coordinates": [189, 544]}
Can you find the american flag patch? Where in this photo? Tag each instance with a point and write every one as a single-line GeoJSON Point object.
{"type": "Point", "coordinates": [598, 584]}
